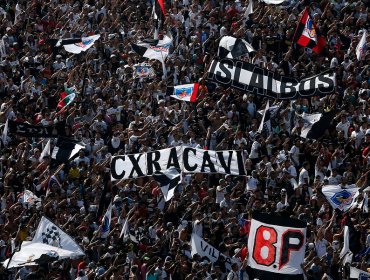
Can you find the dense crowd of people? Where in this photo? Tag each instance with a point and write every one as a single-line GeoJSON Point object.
{"type": "Point", "coordinates": [117, 113]}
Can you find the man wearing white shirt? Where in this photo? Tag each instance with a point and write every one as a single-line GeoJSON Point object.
{"type": "Point", "coordinates": [252, 182]}
{"type": "Point", "coordinates": [334, 178]}
{"type": "Point", "coordinates": [294, 153]}
{"type": "Point", "coordinates": [220, 191]}
{"type": "Point", "coordinates": [343, 126]}
{"type": "Point", "coordinates": [303, 174]}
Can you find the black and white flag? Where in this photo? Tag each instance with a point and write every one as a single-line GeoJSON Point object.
{"type": "Point", "coordinates": [169, 180]}
{"type": "Point", "coordinates": [232, 47]}
{"type": "Point", "coordinates": [316, 124]}
{"type": "Point", "coordinates": [65, 149]}
{"type": "Point", "coordinates": [154, 49]}
{"type": "Point", "coordinates": [266, 120]}
{"type": "Point", "coordinates": [49, 233]}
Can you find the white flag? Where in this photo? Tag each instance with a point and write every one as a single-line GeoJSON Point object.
{"type": "Point", "coordinates": [105, 227]}
{"type": "Point", "coordinates": [49, 233]}
{"type": "Point", "coordinates": [343, 199]}
{"type": "Point", "coordinates": [87, 42]}
{"type": "Point", "coordinates": [249, 10]}
{"type": "Point", "coordinates": [45, 151]}
{"type": "Point", "coordinates": [4, 136]}
{"type": "Point", "coordinates": [18, 11]}
{"type": "Point", "coordinates": [345, 248]}
{"type": "Point", "coordinates": [31, 251]}
{"type": "Point", "coordinates": [263, 117]}
{"type": "Point", "coordinates": [361, 47]}
{"type": "Point", "coordinates": [29, 197]}
{"type": "Point", "coordinates": [275, 2]}
{"type": "Point", "coordinates": [365, 204]}
{"type": "Point", "coordinates": [356, 273]}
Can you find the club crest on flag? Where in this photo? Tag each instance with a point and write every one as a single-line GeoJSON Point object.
{"type": "Point", "coordinates": [363, 276]}
{"type": "Point", "coordinates": [51, 236]}
{"type": "Point", "coordinates": [163, 48]}
{"type": "Point", "coordinates": [310, 30]}
{"type": "Point", "coordinates": [342, 198]}
{"type": "Point", "coordinates": [85, 43]}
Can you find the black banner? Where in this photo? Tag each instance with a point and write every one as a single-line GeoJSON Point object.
{"type": "Point", "coordinates": [253, 79]}
{"type": "Point", "coordinates": [29, 130]}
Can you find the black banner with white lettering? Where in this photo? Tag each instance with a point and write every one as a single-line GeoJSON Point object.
{"type": "Point", "coordinates": [29, 130]}
{"type": "Point", "coordinates": [260, 81]}
{"type": "Point", "coordinates": [190, 160]}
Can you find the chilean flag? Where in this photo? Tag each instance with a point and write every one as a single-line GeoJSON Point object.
{"type": "Point", "coordinates": [306, 36]}
{"type": "Point", "coordinates": [186, 92]}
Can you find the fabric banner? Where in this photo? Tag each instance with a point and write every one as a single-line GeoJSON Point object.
{"type": "Point", "coordinates": [276, 246]}
{"type": "Point", "coordinates": [31, 251]}
{"type": "Point", "coordinates": [187, 159]}
{"type": "Point", "coordinates": [29, 130]}
{"type": "Point", "coordinates": [49, 233]}
{"type": "Point", "coordinates": [306, 35]}
{"type": "Point", "coordinates": [356, 273]}
{"type": "Point", "coordinates": [204, 249]}
{"type": "Point", "coordinates": [65, 149]}
{"type": "Point", "coordinates": [169, 180]}
{"type": "Point", "coordinates": [256, 80]}
{"type": "Point", "coordinates": [342, 199]}
{"type": "Point", "coordinates": [84, 45]}
{"type": "Point", "coordinates": [186, 92]}
{"type": "Point", "coordinates": [232, 47]}
{"type": "Point", "coordinates": [158, 50]}
{"type": "Point", "coordinates": [275, 2]}
{"type": "Point", "coordinates": [361, 47]}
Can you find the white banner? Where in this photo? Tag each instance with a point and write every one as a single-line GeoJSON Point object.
{"type": "Point", "coordinates": [31, 251]}
{"type": "Point", "coordinates": [356, 273]}
{"type": "Point", "coordinates": [343, 199]}
{"type": "Point", "coordinates": [276, 244]}
{"type": "Point", "coordinates": [204, 249]}
{"type": "Point", "coordinates": [189, 160]}
{"type": "Point", "coordinates": [275, 2]}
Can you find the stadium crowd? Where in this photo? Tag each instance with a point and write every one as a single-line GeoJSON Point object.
{"type": "Point", "coordinates": [116, 113]}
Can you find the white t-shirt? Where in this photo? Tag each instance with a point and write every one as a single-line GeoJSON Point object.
{"type": "Point", "coordinates": [251, 183]}
{"type": "Point", "coordinates": [320, 246]}
{"type": "Point", "coordinates": [220, 194]}
{"type": "Point", "coordinates": [292, 171]}
{"type": "Point", "coordinates": [302, 176]}
{"type": "Point", "coordinates": [254, 150]}
{"type": "Point", "coordinates": [344, 127]}
{"type": "Point", "coordinates": [294, 151]}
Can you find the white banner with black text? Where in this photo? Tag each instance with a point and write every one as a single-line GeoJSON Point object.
{"type": "Point", "coordinates": [204, 249]}
{"type": "Point", "coordinates": [186, 159]}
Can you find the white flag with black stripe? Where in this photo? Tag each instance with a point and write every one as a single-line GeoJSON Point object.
{"type": "Point", "coordinates": [65, 149]}
{"type": "Point", "coordinates": [168, 180]}
{"type": "Point", "coordinates": [232, 47]}
{"type": "Point", "coordinates": [266, 121]}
